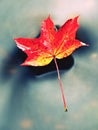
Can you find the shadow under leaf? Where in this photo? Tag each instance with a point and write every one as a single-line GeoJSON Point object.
{"type": "Point", "coordinates": [12, 65]}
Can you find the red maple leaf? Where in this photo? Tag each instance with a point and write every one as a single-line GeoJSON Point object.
{"type": "Point", "coordinates": [51, 44]}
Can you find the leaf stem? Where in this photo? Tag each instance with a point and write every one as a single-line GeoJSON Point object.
{"type": "Point", "coordinates": [60, 83]}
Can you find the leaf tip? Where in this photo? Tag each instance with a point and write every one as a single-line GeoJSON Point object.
{"type": "Point", "coordinates": [84, 44]}
{"type": "Point", "coordinates": [23, 64]}
{"type": "Point", "coordinates": [49, 16]}
{"type": "Point", "coordinates": [15, 39]}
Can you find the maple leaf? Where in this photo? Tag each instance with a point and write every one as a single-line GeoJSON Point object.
{"type": "Point", "coordinates": [51, 44]}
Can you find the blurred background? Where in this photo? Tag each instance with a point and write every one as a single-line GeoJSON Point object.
{"type": "Point", "coordinates": [30, 98]}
